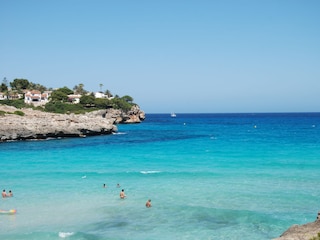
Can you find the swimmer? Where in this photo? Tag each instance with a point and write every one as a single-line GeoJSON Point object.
{"type": "Point", "coordinates": [118, 185]}
{"type": "Point", "coordinates": [122, 195]}
{"type": "Point", "coordinates": [148, 203]}
{"type": "Point", "coordinates": [4, 194]}
{"type": "Point", "coordinates": [10, 194]}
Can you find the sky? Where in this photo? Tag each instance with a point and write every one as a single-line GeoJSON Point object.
{"type": "Point", "coordinates": [183, 56]}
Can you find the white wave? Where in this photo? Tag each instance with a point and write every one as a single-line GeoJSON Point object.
{"type": "Point", "coordinates": [119, 133]}
{"type": "Point", "coordinates": [65, 234]}
{"type": "Point", "coordinates": [149, 172]}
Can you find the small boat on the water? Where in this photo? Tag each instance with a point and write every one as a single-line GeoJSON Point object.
{"type": "Point", "coordinates": [173, 114]}
{"type": "Point", "coordinates": [8, 212]}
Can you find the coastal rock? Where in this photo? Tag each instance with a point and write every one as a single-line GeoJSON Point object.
{"type": "Point", "coordinates": [302, 232]}
{"type": "Point", "coordinates": [135, 115]}
{"type": "Point", "coordinates": [42, 125]}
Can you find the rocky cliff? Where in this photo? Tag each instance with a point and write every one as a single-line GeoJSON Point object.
{"type": "Point", "coordinates": [42, 125]}
{"type": "Point", "coordinates": [308, 231]}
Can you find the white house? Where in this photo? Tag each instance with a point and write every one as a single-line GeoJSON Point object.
{"type": "Point", "coordinates": [3, 96]}
{"type": "Point", "coordinates": [45, 96]}
{"type": "Point", "coordinates": [36, 97]}
{"type": "Point", "coordinates": [74, 98]}
{"type": "Point", "coordinates": [14, 96]}
{"type": "Point", "coordinates": [101, 95]}
{"type": "Point", "coordinates": [32, 96]}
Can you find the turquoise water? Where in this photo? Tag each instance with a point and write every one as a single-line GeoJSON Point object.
{"type": "Point", "coordinates": [209, 176]}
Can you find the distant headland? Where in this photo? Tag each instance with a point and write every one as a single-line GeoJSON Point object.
{"type": "Point", "coordinates": [31, 111]}
{"type": "Point", "coordinates": [29, 124]}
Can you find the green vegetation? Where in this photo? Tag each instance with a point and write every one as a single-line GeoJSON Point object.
{"type": "Point", "coordinates": [20, 113]}
{"type": "Point", "coordinates": [87, 100]}
{"type": "Point", "coordinates": [60, 102]}
{"type": "Point", "coordinates": [3, 87]}
{"type": "Point", "coordinates": [121, 103]}
{"type": "Point", "coordinates": [88, 103]}
{"type": "Point", "coordinates": [20, 84]}
{"type": "Point", "coordinates": [15, 103]}
{"type": "Point", "coordinates": [20, 104]}
{"type": "Point", "coordinates": [60, 107]}
{"type": "Point", "coordinates": [78, 89]}
{"type": "Point", "coordinates": [316, 238]}
{"type": "Point", "coordinates": [60, 95]}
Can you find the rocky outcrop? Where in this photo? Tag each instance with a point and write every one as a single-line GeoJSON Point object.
{"type": "Point", "coordinates": [42, 125]}
{"type": "Point", "coordinates": [135, 115]}
{"type": "Point", "coordinates": [302, 232]}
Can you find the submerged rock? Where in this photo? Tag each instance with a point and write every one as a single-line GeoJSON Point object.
{"type": "Point", "coordinates": [42, 125]}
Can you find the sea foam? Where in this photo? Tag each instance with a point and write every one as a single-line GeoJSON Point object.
{"type": "Point", "coordinates": [149, 172]}
{"type": "Point", "coordinates": [65, 234]}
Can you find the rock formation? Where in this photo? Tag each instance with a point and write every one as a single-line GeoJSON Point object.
{"type": "Point", "coordinates": [307, 231]}
{"type": "Point", "coordinates": [135, 115]}
{"type": "Point", "coordinates": [42, 125]}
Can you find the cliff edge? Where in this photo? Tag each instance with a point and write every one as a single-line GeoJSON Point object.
{"type": "Point", "coordinates": [42, 125]}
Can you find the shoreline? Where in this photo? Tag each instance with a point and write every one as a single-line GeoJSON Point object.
{"type": "Point", "coordinates": [308, 231]}
{"type": "Point", "coordinates": [38, 125]}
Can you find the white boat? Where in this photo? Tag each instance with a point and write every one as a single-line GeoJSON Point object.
{"type": "Point", "coordinates": [173, 114]}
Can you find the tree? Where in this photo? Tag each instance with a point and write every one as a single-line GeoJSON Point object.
{"type": "Point", "coordinates": [3, 87]}
{"type": "Point", "coordinates": [108, 93]}
{"type": "Point", "coordinates": [102, 103]}
{"type": "Point", "coordinates": [78, 89]}
{"type": "Point", "coordinates": [60, 95]}
{"type": "Point", "coordinates": [19, 84]}
{"type": "Point", "coordinates": [87, 100]}
{"type": "Point", "coordinates": [127, 98]}
{"type": "Point", "coordinates": [65, 90]}
{"type": "Point", "coordinates": [5, 81]}
{"type": "Point", "coordinates": [120, 103]}
{"type": "Point", "coordinates": [100, 85]}
{"type": "Point", "coordinates": [37, 86]}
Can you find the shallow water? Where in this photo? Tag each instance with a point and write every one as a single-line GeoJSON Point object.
{"type": "Point", "coordinates": [210, 176]}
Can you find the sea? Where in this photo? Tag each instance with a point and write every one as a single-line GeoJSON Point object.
{"type": "Point", "coordinates": [209, 176]}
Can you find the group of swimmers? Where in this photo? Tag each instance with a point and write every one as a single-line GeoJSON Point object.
{"type": "Point", "coordinates": [5, 194]}
{"type": "Point", "coordinates": [104, 185]}
{"type": "Point", "coordinates": [123, 195]}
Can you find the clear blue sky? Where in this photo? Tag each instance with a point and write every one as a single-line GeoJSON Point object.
{"type": "Point", "coordinates": [185, 56]}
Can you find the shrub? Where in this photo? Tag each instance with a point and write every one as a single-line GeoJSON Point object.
{"type": "Point", "coordinates": [119, 103]}
{"type": "Point", "coordinates": [102, 103]}
{"type": "Point", "coordinates": [15, 103]}
{"type": "Point", "coordinates": [20, 113]}
{"type": "Point", "coordinates": [59, 107]}
{"type": "Point", "coordinates": [38, 108]}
